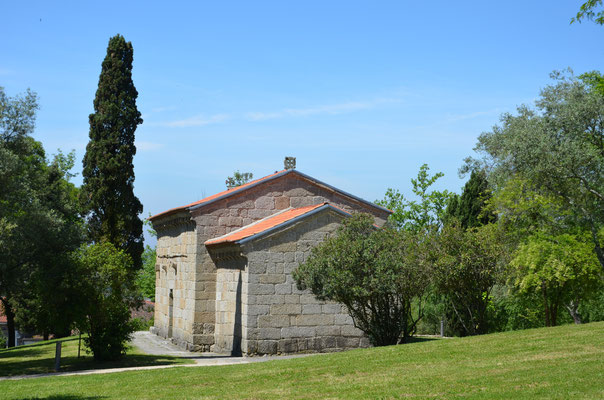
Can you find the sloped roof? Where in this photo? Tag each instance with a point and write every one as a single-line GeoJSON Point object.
{"type": "Point", "coordinates": [274, 222]}
{"type": "Point", "coordinates": [249, 185]}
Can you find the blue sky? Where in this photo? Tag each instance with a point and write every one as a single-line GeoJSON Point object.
{"type": "Point", "coordinates": [361, 93]}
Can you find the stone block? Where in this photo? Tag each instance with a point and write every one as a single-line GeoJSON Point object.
{"type": "Point", "coordinates": [343, 319]}
{"type": "Point", "coordinates": [258, 309]}
{"type": "Point", "coordinates": [265, 203]}
{"type": "Point", "coordinates": [347, 342]}
{"type": "Point", "coordinates": [311, 320]}
{"type": "Point", "coordinates": [284, 288]}
{"type": "Point", "coordinates": [298, 331]}
{"type": "Point", "coordinates": [270, 299]}
{"type": "Point", "coordinates": [348, 330]}
{"type": "Point", "coordinates": [309, 299]}
{"type": "Point", "coordinates": [288, 346]}
{"type": "Point", "coordinates": [328, 330]}
{"type": "Point", "coordinates": [267, 347]}
{"type": "Point", "coordinates": [262, 333]}
{"type": "Point", "coordinates": [292, 298]}
{"type": "Point", "coordinates": [279, 309]}
{"type": "Point", "coordinates": [203, 339]}
{"type": "Point", "coordinates": [273, 321]}
{"type": "Point", "coordinates": [297, 202]}
{"type": "Point", "coordinates": [281, 202]}
{"type": "Point", "coordinates": [271, 278]}
{"type": "Point", "coordinates": [260, 289]}
{"type": "Point", "coordinates": [328, 342]}
{"type": "Point", "coordinates": [311, 309]}
{"type": "Point", "coordinates": [331, 308]}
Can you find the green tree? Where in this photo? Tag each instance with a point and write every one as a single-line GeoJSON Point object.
{"type": "Point", "coordinates": [145, 280]}
{"type": "Point", "coordinates": [109, 296]}
{"type": "Point", "coordinates": [562, 269]}
{"type": "Point", "coordinates": [558, 147]}
{"type": "Point", "coordinates": [39, 223]}
{"type": "Point", "coordinates": [238, 179]}
{"type": "Point", "coordinates": [107, 194]}
{"type": "Point", "coordinates": [588, 10]}
{"type": "Point", "coordinates": [415, 215]}
{"type": "Point", "coordinates": [49, 300]}
{"type": "Point", "coordinates": [467, 264]}
{"type": "Point", "coordinates": [375, 273]}
{"type": "Point", "coordinates": [469, 208]}
{"type": "Point", "coordinates": [22, 164]}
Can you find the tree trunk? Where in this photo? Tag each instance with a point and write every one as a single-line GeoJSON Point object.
{"type": "Point", "coordinates": [572, 308]}
{"type": "Point", "coordinates": [10, 322]}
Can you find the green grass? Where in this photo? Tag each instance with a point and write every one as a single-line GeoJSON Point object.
{"type": "Point", "coordinates": [39, 358]}
{"type": "Point", "coordinates": [563, 362]}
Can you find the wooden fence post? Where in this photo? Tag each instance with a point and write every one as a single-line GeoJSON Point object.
{"type": "Point", "coordinates": [58, 357]}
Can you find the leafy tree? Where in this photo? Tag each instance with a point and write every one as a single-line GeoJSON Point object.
{"type": "Point", "coordinates": [145, 281]}
{"type": "Point", "coordinates": [469, 208]}
{"type": "Point", "coordinates": [39, 224]}
{"type": "Point", "coordinates": [107, 194]}
{"type": "Point", "coordinates": [562, 269]}
{"type": "Point", "coordinates": [238, 179]}
{"type": "Point", "coordinates": [588, 10]}
{"type": "Point", "coordinates": [109, 296]}
{"type": "Point", "coordinates": [467, 264]}
{"type": "Point", "coordinates": [413, 215]}
{"type": "Point", "coordinates": [375, 273]}
{"type": "Point", "coordinates": [49, 302]}
{"type": "Point", "coordinates": [558, 147]}
{"type": "Point", "coordinates": [22, 164]}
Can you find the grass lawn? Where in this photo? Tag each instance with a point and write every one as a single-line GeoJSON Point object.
{"type": "Point", "coordinates": [40, 358]}
{"type": "Point", "coordinates": [563, 362]}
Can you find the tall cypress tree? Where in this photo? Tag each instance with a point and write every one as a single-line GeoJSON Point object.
{"type": "Point", "coordinates": [469, 207]}
{"type": "Point", "coordinates": [107, 194]}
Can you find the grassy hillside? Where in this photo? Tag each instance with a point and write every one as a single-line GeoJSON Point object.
{"type": "Point", "coordinates": [39, 358]}
{"type": "Point", "coordinates": [562, 362]}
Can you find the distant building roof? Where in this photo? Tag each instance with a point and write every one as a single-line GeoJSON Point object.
{"type": "Point", "coordinates": [269, 224]}
{"type": "Point", "coordinates": [249, 185]}
{"type": "Point", "coordinates": [3, 319]}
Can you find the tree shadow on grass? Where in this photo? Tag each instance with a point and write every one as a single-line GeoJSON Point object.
{"type": "Point", "coordinates": [419, 339]}
{"type": "Point", "coordinates": [65, 397]}
{"type": "Point", "coordinates": [20, 352]}
{"type": "Point", "coordinates": [73, 363]}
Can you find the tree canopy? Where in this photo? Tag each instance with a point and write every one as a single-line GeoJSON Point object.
{"type": "Point", "coordinates": [558, 147]}
{"type": "Point", "coordinates": [107, 194]}
{"type": "Point", "coordinates": [375, 273]}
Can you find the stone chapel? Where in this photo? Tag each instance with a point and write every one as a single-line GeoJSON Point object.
{"type": "Point", "coordinates": [224, 264]}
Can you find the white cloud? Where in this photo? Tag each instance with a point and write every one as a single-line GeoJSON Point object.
{"type": "Point", "coordinates": [329, 109]}
{"type": "Point", "coordinates": [198, 120]}
{"type": "Point", "coordinates": [148, 146]}
{"type": "Point", "coordinates": [461, 117]}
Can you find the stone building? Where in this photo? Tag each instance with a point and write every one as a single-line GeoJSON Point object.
{"type": "Point", "coordinates": [224, 263]}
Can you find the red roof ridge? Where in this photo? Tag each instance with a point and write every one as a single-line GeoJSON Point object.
{"type": "Point", "coordinates": [267, 223]}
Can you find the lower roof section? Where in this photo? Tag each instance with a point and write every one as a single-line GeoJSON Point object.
{"type": "Point", "coordinates": [272, 223]}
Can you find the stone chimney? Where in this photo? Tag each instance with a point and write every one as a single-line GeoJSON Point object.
{"type": "Point", "coordinates": [289, 163]}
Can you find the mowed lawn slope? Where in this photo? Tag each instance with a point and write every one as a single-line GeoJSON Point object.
{"type": "Point", "coordinates": [39, 358]}
{"type": "Point", "coordinates": [562, 362]}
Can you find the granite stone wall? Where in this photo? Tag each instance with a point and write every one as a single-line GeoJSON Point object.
{"type": "Point", "coordinates": [279, 318]}
{"type": "Point", "coordinates": [175, 277]}
{"type": "Point", "coordinates": [201, 323]}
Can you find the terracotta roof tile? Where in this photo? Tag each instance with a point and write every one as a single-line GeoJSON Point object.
{"type": "Point", "coordinates": [267, 223]}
